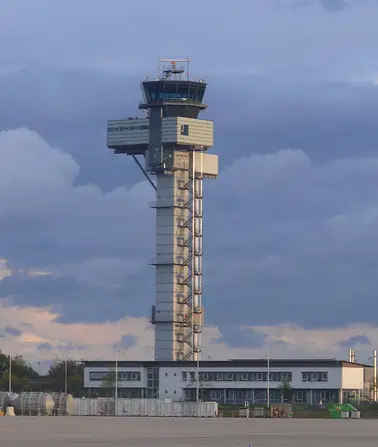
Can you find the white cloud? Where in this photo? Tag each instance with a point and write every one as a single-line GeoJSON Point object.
{"type": "Point", "coordinates": [40, 326]}
{"type": "Point", "coordinates": [96, 341]}
{"type": "Point", "coordinates": [37, 184]}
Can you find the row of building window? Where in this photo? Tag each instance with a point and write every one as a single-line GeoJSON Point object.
{"type": "Point", "coordinates": [183, 96]}
{"type": "Point", "coordinates": [237, 376]}
{"type": "Point", "coordinates": [261, 396]}
{"type": "Point", "coordinates": [314, 377]}
{"type": "Point", "coordinates": [128, 376]}
{"type": "Point", "coordinates": [253, 376]}
{"type": "Point", "coordinates": [127, 128]}
{"type": "Point", "coordinates": [184, 129]}
{"type": "Point", "coordinates": [211, 376]}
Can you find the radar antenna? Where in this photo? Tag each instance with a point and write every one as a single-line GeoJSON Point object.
{"type": "Point", "coordinates": [168, 68]}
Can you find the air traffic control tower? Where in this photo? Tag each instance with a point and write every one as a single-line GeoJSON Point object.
{"type": "Point", "coordinates": [174, 143]}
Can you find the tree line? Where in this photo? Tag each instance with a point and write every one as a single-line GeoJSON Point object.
{"type": "Point", "coordinates": [26, 378]}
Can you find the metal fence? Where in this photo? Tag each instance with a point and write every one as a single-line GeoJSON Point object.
{"type": "Point", "coordinates": [143, 407]}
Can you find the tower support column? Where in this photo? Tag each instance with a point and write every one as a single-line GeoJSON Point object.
{"type": "Point", "coordinates": [174, 143]}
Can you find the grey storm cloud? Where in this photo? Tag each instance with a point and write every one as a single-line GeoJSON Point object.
{"type": "Point", "coordinates": [9, 331]}
{"type": "Point", "coordinates": [255, 36]}
{"type": "Point", "coordinates": [326, 120]}
{"type": "Point", "coordinates": [353, 341]}
{"type": "Point", "coordinates": [303, 250]}
{"type": "Point", "coordinates": [334, 5]}
{"type": "Point", "coordinates": [70, 297]}
{"type": "Point", "coordinates": [127, 341]}
{"type": "Point", "coordinates": [236, 337]}
{"type": "Point", "coordinates": [328, 5]}
{"type": "Point", "coordinates": [12, 331]}
{"type": "Point", "coordinates": [45, 347]}
{"type": "Point", "coordinates": [291, 223]}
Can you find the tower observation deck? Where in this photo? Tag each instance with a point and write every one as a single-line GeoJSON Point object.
{"type": "Point", "coordinates": [174, 143]}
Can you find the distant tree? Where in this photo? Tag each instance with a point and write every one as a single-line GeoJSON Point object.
{"type": "Point", "coordinates": [202, 386]}
{"type": "Point", "coordinates": [21, 368]}
{"type": "Point", "coordinates": [4, 363]}
{"type": "Point", "coordinates": [18, 383]}
{"type": "Point", "coordinates": [286, 391]}
{"type": "Point", "coordinates": [75, 377]}
{"type": "Point", "coordinates": [21, 372]}
{"type": "Point", "coordinates": [109, 381]}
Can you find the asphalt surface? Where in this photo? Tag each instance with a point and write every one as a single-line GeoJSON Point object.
{"type": "Point", "coordinates": [138, 432]}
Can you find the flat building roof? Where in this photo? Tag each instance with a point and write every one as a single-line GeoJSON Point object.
{"type": "Point", "coordinates": [274, 363]}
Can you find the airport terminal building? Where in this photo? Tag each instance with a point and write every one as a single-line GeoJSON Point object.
{"type": "Point", "coordinates": [232, 381]}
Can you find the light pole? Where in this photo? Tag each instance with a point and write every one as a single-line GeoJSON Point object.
{"type": "Point", "coordinates": [62, 361]}
{"type": "Point", "coordinates": [10, 374]}
{"type": "Point", "coordinates": [375, 375]}
{"type": "Point", "coordinates": [374, 393]}
{"type": "Point", "coordinates": [268, 384]}
{"type": "Point", "coordinates": [65, 376]}
{"type": "Point", "coordinates": [116, 374]}
{"type": "Point", "coordinates": [198, 380]}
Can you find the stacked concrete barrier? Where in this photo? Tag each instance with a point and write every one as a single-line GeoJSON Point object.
{"type": "Point", "coordinates": [143, 408]}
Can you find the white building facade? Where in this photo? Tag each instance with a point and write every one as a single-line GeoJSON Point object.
{"type": "Point", "coordinates": [231, 381]}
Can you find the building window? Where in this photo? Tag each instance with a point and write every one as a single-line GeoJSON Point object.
{"type": "Point", "coordinates": [98, 375]}
{"type": "Point", "coordinates": [285, 377]}
{"type": "Point", "coordinates": [315, 377]}
{"type": "Point", "coordinates": [185, 129]}
{"type": "Point", "coordinates": [258, 376]}
{"type": "Point", "coordinates": [126, 376]}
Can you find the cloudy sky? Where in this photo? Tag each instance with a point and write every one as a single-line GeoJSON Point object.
{"type": "Point", "coordinates": [291, 225]}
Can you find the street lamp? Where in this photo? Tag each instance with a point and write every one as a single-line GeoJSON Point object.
{"type": "Point", "coordinates": [116, 374]}
{"type": "Point", "coordinates": [268, 384]}
{"type": "Point", "coordinates": [65, 376]}
{"type": "Point", "coordinates": [374, 358]}
{"type": "Point", "coordinates": [65, 369]}
{"type": "Point", "coordinates": [10, 374]}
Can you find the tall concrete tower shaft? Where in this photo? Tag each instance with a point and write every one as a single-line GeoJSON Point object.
{"type": "Point", "coordinates": [174, 143]}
